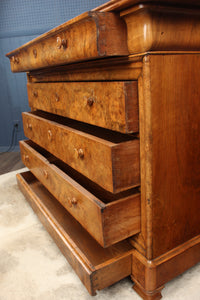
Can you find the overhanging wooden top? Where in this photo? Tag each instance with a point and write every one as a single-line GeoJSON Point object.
{"type": "Point", "coordinates": [118, 5]}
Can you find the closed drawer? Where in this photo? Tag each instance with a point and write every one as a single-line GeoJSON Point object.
{"type": "Point", "coordinates": [108, 218]}
{"type": "Point", "coordinates": [112, 105]}
{"type": "Point", "coordinates": [88, 36]}
{"type": "Point", "coordinates": [96, 267]}
{"type": "Point", "coordinates": [110, 159]}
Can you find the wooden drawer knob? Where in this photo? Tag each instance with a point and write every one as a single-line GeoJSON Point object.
{"type": "Point", "coordinates": [45, 174]}
{"type": "Point", "coordinates": [57, 97]}
{"type": "Point", "coordinates": [15, 60]}
{"type": "Point", "coordinates": [79, 153]}
{"type": "Point", "coordinates": [29, 126]}
{"type": "Point", "coordinates": [49, 135]}
{"type": "Point", "coordinates": [90, 101]}
{"type": "Point", "coordinates": [35, 53]}
{"type": "Point", "coordinates": [26, 158]}
{"type": "Point", "coordinates": [61, 43]}
{"type": "Point", "coordinates": [35, 93]}
{"type": "Point", "coordinates": [73, 201]}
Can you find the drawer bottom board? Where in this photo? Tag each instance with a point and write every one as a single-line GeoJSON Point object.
{"type": "Point", "coordinates": [96, 267]}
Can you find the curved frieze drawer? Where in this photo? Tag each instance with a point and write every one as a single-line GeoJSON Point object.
{"type": "Point", "coordinates": [108, 158]}
{"type": "Point", "coordinates": [108, 218]}
{"type": "Point", "coordinates": [112, 105]}
{"type": "Point", "coordinates": [88, 36]}
{"type": "Point", "coordinates": [153, 27]}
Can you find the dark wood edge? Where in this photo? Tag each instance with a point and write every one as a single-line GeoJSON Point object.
{"type": "Point", "coordinates": [162, 7]}
{"type": "Point", "coordinates": [118, 5]}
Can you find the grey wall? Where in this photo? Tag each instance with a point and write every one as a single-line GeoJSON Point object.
{"type": "Point", "coordinates": [20, 22]}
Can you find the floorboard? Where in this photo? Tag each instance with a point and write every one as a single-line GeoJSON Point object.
{"type": "Point", "coordinates": [10, 161]}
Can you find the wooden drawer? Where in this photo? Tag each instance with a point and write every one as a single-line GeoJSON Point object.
{"type": "Point", "coordinates": [112, 105]}
{"type": "Point", "coordinates": [88, 36]}
{"type": "Point", "coordinates": [96, 267]}
{"type": "Point", "coordinates": [108, 158]}
{"type": "Point", "coordinates": [108, 218]}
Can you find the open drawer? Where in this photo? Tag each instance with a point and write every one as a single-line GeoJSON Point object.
{"type": "Point", "coordinates": [110, 159]}
{"type": "Point", "coordinates": [108, 217]}
{"type": "Point", "coordinates": [96, 267]}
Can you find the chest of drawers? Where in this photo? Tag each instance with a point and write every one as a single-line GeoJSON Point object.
{"type": "Point", "coordinates": [113, 148]}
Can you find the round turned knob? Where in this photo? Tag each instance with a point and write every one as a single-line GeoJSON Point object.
{"type": "Point", "coordinates": [29, 126]}
{"type": "Point", "coordinates": [35, 53]}
{"type": "Point", "coordinates": [45, 174]}
{"type": "Point", "coordinates": [57, 98]}
{"type": "Point", "coordinates": [49, 135]}
{"type": "Point", "coordinates": [15, 60]}
{"type": "Point", "coordinates": [90, 101]}
{"type": "Point", "coordinates": [73, 201]}
{"type": "Point", "coordinates": [35, 93]}
{"type": "Point", "coordinates": [26, 157]}
{"type": "Point", "coordinates": [61, 43]}
{"type": "Point", "coordinates": [80, 153]}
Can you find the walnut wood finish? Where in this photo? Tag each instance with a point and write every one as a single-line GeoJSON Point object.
{"type": "Point", "coordinates": [151, 28]}
{"type": "Point", "coordinates": [96, 267]}
{"type": "Point", "coordinates": [113, 164]}
{"type": "Point", "coordinates": [112, 105]}
{"type": "Point", "coordinates": [120, 5]}
{"type": "Point", "coordinates": [150, 275]}
{"type": "Point", "coordinates": [94, 32]}
{"type": "Point", "coordinates": [175, 145]}
{"type": "Point", "coordinates": [163, 157]}
{"type": "Point", "coordinates": [107, 218]}
{"type": "Point", "coordinates": [120, 68]}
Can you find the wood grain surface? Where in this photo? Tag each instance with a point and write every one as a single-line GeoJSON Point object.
{"type": "Point", "coordinates": [86, 37]}
{"type": "Point", "coordinates": [108, 222]}
{"type": "Point", "coordinates": [175, 141]}
{"type": "Point", "coordinates": [120, 5]}
{"type": "Point", "coordinates": [110, 69]}
{"type": "Point", "coordinates": [112, 105]}
{"type": "Point", "coordinates": [151, 275]}
{"type": "Point", "coordinates": [156, 28]}
{"type": "Point", "coordinates": [107, 158]}
{"type": "Point", "coordinates": [96, 267]}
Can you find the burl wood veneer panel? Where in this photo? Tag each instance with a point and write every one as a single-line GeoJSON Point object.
{"type": "Point", "coordinates": [108, 217]}
{"type": "Point", "coordinates": [112, 105]}
{"type": "Point", "coordinates": [108, 158]}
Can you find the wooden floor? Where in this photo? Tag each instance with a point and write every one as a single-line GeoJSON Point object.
{"type": "Point", "coordinates": [10, 161]}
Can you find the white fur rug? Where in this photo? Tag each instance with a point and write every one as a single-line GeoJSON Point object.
{"type": "Point", "coordinates": [32, 267]}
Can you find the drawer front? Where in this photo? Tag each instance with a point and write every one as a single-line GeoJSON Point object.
{"type": "Point", "coordinates": [108, 223]}
{"type": "Point", "coordinates": [96, 267]}
{"type": "Point", "coordinates": [113, 166]}
{"type": "Point", "coordinates": [89, 36]}
{"type": "Point", "coordinates": [112, 105]}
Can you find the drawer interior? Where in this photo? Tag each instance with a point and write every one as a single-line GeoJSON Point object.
{"type": "Point", "coordinates": [102, 194]}
{"type": "Point", "coordinates": [102, 133]}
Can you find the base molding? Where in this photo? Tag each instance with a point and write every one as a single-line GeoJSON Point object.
{"type": "Point", "coordinates": [147, 295]}
{"type": "Point", "coordinates": [150, 275]}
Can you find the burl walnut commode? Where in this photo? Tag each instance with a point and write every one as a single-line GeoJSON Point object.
{"type": "Point", "coordinates": [114, 140]}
